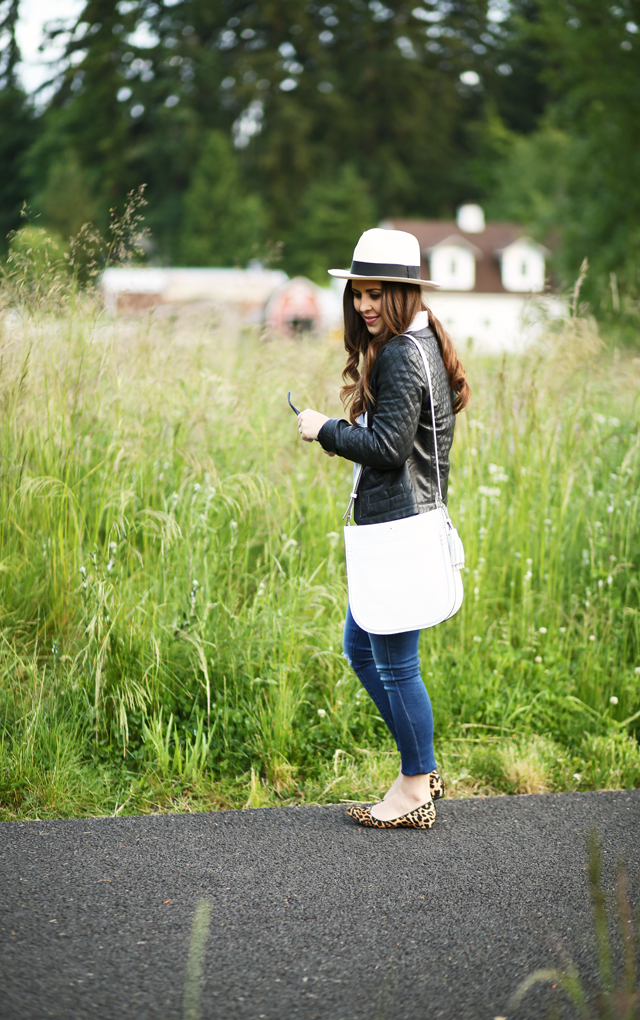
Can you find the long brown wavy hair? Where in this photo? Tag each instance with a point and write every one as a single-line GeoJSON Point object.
{"type": "Point", "coordinates": [401, 302]}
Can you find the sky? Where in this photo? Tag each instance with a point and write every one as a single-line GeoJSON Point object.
{"type": "Point", "coordinates": [33, 16]}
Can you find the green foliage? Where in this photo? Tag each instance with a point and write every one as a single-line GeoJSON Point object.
{"type": "Point", "coordinates": [36, 270]}
{"type": "Point", "coordinates": [196, 959]}
{"type": "Point", "coordinates": [594, 62]}
{"type": "Point", "coordinates": [10, 56]}
{"type": "Point", "coordinates": [302, 89]}
{"type": "Point", "coordinates": [333, 213]}
{"type": "Point", "coordinates": [42, 271]}
{"type": "Point", "coordinates": [529, 107]}
{"type": "Point", "coordinates": [66, 202]}
{"type": "Point", "coordinates": [172, 588]}
{"type": "Point", "coordinates": [18, 134]}
{"type": "Point", "coordinates": [222, 224]}
{"type": "Point", "coordinates": [532, 181]}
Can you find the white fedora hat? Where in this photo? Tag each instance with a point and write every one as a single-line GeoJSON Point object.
{"type": "Point", "coordinates": [389, 255]}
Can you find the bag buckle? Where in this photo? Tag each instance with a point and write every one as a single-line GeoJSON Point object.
{"type": "Point", "coordinates": [347, 513]}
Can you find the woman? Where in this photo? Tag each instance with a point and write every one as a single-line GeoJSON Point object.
{"type": "Point", "coordinates": [386, 392]}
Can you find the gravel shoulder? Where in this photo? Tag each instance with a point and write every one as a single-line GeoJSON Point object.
{"type": "Point", "coordinates": [312, 918]}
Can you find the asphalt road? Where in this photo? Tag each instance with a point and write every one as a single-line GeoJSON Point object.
{"type": "Point", "coordinates": [312, 918]}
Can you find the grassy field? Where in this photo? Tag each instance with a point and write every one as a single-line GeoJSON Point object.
{"type": "Point", "coordinates": [172, 582]}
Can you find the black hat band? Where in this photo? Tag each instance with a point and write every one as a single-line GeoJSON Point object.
{"type": "Point", "coordinates": [377, 269]}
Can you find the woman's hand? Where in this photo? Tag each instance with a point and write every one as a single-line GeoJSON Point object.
{"type": "Point", "coordinates": [309, 424]}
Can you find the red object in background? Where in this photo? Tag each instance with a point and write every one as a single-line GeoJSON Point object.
{"type": "Point", "coordinates": [295, 308]}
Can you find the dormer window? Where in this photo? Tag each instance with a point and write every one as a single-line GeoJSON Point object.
{"type": "Point", "coordinates": [453, 263]}
{"type": "Point", "coordinates": [522, 266]}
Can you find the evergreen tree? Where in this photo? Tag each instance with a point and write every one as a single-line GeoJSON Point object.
{"type": "Point", "coordinates": [333, 215]}
{"type": "Point", "coordinates": [307, 87]}
{"type": "Point", "coordinates": [301, 87]}
{"type": "Point", "coordinates": [66, 202]}
{"type": "Point", "coordinates": [222, 223]}
{"type": "Point", "coordinates": [18, 127]}
{"type": "Point", "coordinates": [593, 71]}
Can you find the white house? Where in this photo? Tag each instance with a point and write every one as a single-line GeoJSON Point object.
{"type": "Point", "coordinates": [522, 266]}
{"type": "Point", "coordinates": [494, 290]}
{"type": "Point", "coordinates": [453, 263]}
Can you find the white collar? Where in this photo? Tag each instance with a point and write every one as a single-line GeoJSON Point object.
{"type": "Point", "coordinates": [421, 321]}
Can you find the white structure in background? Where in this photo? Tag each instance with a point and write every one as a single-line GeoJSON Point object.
{"type": "Point", "coordinates": [255, 295]}
{"type": "Point", "coordinates": [470, 218]}
{"type": "Point", "coordinates": [522, 266]}
{"type": "Point", "coordinates": [134, 288]}
{"type": "Point", "coordinates": [492, 294]}
{"type": "Point", "coordinates": [453, 263]}
{"type": "Point", "coordinates": [492, 279]}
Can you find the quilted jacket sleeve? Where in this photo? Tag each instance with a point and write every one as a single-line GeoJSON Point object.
{"type": "Point", "coordinates": [388, 442]}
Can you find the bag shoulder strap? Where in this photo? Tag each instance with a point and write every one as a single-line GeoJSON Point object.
{"type": "Point", "coordinates": [356, 481]}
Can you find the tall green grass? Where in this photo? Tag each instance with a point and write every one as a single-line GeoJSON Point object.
{"type": "Point", "coordinates": [172, 586]}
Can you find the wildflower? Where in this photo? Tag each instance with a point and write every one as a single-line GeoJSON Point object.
{"type": "Point", "coordinates": [637, 671]}
{"type": "Point", "coordinates": [563, 630]}
{"type": "Point", "coordinates": [476, 638]}
{"type": "Point", "coordinates": [592, 637]}
{"type": "Point", "coordinates": [610, 509]}
{"type": "Point", "coordinates": [577, 777]}
{"type": "Point", "coordinates": [321, 713]}
{"type": "Point", "coordinates": [609, 579]}
{"type": "Point", "coordinates": [528, 575]}
{"type": "Point", "coordinates": [543, 630]}
{"type": "Point", "coordinates": [538, 658]}
{"type": "Point", "coordinates": [613, 700]}
{"type": "Point", "coordinates": [490, 491]}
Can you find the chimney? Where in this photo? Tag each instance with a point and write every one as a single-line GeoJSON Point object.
{"type": "Point", "coordinates": [470, 219]}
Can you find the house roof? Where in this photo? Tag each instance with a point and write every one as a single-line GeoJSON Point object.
{"type": "Point", "coordinates": [492, 239]}
{"type": "Point", "coordinates": [459, 240]}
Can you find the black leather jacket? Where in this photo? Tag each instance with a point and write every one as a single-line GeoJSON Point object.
{"type": "Point", "coordinates": [396, 448]}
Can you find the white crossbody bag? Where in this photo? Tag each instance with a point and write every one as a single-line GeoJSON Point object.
{"type": "Point", "coordinates": [406, 574]}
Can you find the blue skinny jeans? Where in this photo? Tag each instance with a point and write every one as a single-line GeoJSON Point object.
{"type": "Point", "coordinates": [388, 667]}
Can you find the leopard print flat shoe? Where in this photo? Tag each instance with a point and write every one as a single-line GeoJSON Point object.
{"type": "Point", "coordinates": [421, 817]}
{"type": "Point", "coordinates": [436, 785]}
